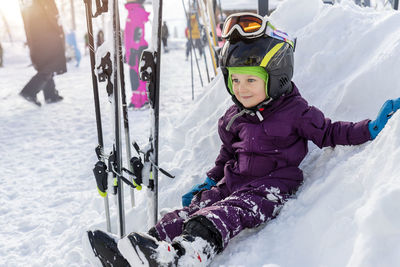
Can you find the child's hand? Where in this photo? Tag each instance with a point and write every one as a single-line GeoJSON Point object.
{"type": "Point", "coordinates": [187, 198]}
{"type": "Point", "coordinates": [387, 110]}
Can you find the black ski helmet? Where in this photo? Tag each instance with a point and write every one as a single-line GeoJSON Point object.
{"type": "Point", "coordinates": [274, 54]}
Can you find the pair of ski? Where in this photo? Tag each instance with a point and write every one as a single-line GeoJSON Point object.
{"type": "Point", "coordinates": [110, 70]}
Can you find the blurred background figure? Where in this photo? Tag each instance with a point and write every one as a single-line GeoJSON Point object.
{"type": "Point", "coordinates": [73, 48]}
{"type": "Point", "coordinates": [164, 36]}
{"type": "Point", "coordinates": [86, 40]}
{"type": "Point", "coordinates": [135, 43]}
{"type": "Point", "coordinates": [99, 38]}
{"type": "Point", "coordinates": [1, 56]}
{"type": "Point", "coordinates": [221, 41]}
{"type": "Point", "coordinates": [363, 2]}
{"type": "Point", "coordinates": [46, 41]}
{"type": "Point", "coordinates": [195, 37]}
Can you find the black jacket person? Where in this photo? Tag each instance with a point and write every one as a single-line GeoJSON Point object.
{"type": "Point", "coordinates": [46, 41]}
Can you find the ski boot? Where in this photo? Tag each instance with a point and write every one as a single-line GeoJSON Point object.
{"type": "Point", "coordinates": [30, 98]}
{"type": "Point", "coordinates": [54, 97]}
{"type": "Point", "coordinates": [141, 249]}
{"type": "Point", "coordinates": [105, 249]}
{"type": "Point", "coordinates": [193, 251]}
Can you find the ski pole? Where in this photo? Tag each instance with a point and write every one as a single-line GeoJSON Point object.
{"type": "Point", "coordinates": [396, 4]}
{"type": "Point", "coordinates": [191, 60]}
{"type": "Point", "coordinates": [263, 7]}
{"type": "Point", "coordinates": [192, 45]}
{"type": "Point", "coordinates": [125, 117]}
{"type": "Point", "coordinates": [117, 113]}
{"type": "Point", "coordinates": [192, 48]}
{"type": "Point", "coordinates": [194, 52]}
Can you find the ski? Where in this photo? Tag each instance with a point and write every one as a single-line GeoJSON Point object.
{"type": "Point", "coordinates": [100, 167]}
{"type": "Point", "coordinates": [211, 22]}
{"type": "Point", "coordinates": [110, 71]}
{"type": "Point", "coordinates": [105, 248]}
{"type": "Point", "coordinates": [212, 42]}
{"type": "Point", "coordinates": [150, 73]}
{"type": "Point", "coordinates": [116, 101]}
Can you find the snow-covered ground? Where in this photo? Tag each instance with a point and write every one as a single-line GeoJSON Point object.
{"type": "Point", "coordinates": [346, 214]}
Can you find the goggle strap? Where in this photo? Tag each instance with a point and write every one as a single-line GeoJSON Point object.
{"type": "Point", "coordinates": [277, 34]}
{"type": "Point", "coordinates": [270, 26]}
{"type": "Point", "coordinates": [266, 28]}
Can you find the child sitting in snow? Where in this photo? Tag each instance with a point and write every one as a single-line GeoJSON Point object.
{"type": "Point", "coordinates": [264, 139]}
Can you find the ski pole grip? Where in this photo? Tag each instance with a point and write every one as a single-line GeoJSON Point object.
{"type": "Point", "coordinates": [137, 167]}
{"type": "Point", "coordinates": [100, 173]}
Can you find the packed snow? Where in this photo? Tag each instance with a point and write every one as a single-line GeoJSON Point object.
{"type": "Point", "coordinates": [345, 214]}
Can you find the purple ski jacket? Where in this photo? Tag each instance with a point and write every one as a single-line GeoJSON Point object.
{"type": "Point", "coordinates": [255, 151]}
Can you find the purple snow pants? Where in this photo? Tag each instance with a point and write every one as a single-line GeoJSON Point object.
{"type": "Point", "coordinates": [230, 213]}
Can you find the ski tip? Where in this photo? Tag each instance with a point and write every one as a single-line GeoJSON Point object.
{"type": "Point", "coordinates": [104, 246]}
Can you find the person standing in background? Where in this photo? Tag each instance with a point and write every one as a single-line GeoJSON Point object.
{"type": "Point", "coordinates": [46, 41]}
{"type": "Point", "coordinates": [100, 38]}
{"type": "Point", "coordinates": [86, 39]}
{"type": "Point", "coordinates": [135, 43]}
{"type": "Point", "coordinates": [1, 56]}
{"type": "Point", "coordinates": [365, 3]}
{"type": "Point", "coordinates": [165, 35]}
{"type": "Point", "coordinates": [192, 33]}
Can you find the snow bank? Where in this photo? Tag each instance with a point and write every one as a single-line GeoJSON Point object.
{"type": "Point", "coordinates": [343, 214]}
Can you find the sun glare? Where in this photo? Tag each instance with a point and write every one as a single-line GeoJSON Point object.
{"type": "Point", "coordinates": [10, 10]}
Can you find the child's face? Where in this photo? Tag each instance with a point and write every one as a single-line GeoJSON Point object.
{"type": "Point", "coordinates": [248, 89]}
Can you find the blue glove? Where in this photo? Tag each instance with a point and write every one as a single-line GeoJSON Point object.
{"type": "Point", "coordinates": [187, 198]}
{"type": "Point", "coordinates": [387, 110]}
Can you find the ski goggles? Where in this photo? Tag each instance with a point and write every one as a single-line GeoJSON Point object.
{"type": "Point", "coordinates": [247, 24]}
{"type": "Point", "coordinates": [250, 26]}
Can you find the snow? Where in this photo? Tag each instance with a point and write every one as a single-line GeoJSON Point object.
{"type": "Point", "coordinates": [250, 5]}
{"type": "Point", "coordinates": [345, 214]}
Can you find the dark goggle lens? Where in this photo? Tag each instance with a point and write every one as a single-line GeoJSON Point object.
{"type": "Point", "coordinates": [250, 24]}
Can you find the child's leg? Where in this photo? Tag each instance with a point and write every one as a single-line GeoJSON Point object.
{"type": "Point", "coordinates": [196, 233]}
{"type": "Point", "coordinates": [245, 208]}
{"type": "Point", "coordinates": [196, 246]}
{"type": "Point", "coordinates": [171, 225]}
